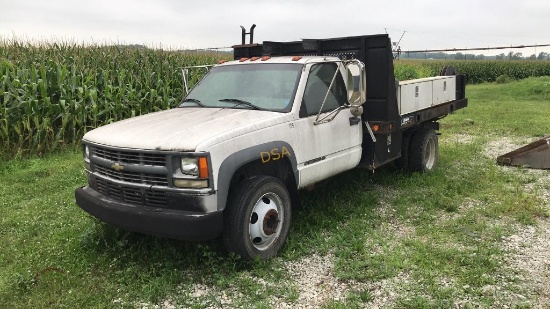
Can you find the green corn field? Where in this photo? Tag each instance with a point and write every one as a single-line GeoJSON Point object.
{"type": "Point", "coordinates": [51, 94]}
{"type": "Point", "coordinates": [484, 71]}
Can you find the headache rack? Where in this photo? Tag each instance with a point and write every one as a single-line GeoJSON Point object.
{"type": "Point", "coordinates": [381, 108]}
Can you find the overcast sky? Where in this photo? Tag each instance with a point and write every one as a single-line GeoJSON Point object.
{"type": "Point", "coordinates": [215, 23]}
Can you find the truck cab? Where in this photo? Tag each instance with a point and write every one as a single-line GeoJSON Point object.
{"type": "Point", "coordinates": [230, 159]}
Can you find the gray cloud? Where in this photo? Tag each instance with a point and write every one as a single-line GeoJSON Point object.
{"type": "Point", "coordinates": [179, 24]}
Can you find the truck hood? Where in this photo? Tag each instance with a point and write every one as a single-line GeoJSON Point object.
{"type": "Point", "coordinates": [182, 129]}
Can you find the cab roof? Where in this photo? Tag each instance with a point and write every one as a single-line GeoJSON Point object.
{"type": "Point", "coordinates": [281, 59]}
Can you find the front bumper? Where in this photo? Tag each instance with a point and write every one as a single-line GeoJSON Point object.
{"type": "Point", "coordinates": [171, 223]}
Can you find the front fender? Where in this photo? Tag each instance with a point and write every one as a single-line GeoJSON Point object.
{"type": "Point", "coordinates": [276, 149]}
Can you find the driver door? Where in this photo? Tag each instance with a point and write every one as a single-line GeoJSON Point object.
{"type": "Point", "coordinates": [330, 147]}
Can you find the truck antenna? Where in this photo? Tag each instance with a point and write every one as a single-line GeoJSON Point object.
{"type": "Point", "coordinates": [251, 34]}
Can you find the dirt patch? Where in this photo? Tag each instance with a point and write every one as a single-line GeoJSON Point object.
{"type": "Point", "coordinates": [387, 291]}
{"type": "Point", "coordinates": [536, 181]}
{"type": "Point", "coordinates": [464, 139]}
{"type": "Point", "coordinates": [391, 225]}
{"type": "Point", "coordinates": [528, 250]}
{"type": "Point", "coordinates": [498, 147]}
{"type": "Point", "coordinates": [316, 284]}
{"type": "Point", "coordinates": [541, 185]}
{"type": "Point", "coordinates": [529, 257]}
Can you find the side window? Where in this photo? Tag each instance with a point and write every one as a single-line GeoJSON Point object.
{"type": "Point", "coordinates": [317, 86]}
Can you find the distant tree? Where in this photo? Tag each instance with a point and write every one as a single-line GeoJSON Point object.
{"type": "Point", "coordinates": [459, 56]}
{"type": "Point", "coordinates": [480, 57]}
{"type": "Point", "coordinates": [533, 57]}
{"type": "Point", "coordinates": [542, 56]}
{"type": "Point", "coordinates": [500, 57]}
{"type": "Point", "coordinates": [515, 56]}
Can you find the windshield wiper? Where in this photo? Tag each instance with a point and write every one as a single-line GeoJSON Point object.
{"type": "Point", "coordinates": [241, 102]}
{"type": "Point", "coordinates": [198, 102]}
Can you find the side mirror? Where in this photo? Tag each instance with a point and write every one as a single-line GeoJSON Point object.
{"type": "Point", "coordinates": [356, 82]}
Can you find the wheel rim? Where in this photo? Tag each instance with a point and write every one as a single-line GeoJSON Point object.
{"type": "Point", "coordinates": [266, 221]}
{"type": "Point", "coordinates": [429, 154]}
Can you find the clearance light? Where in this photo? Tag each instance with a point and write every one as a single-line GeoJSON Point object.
{"type": "Point", "coordinates": [375, 128]}
{"type": "Point", "coordinates": [254, 58]}
{"type": "Point", "coordinates": [243, 59]}
{"type": "Point", "coordinates": [264, 58]}
{"type": "Point", "coordinates": [296, 58]}
{"type": "Point", "coordinates": [222, 61]}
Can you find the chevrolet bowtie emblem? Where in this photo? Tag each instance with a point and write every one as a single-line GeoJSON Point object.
{"type": "Point", "coordinates": [117, 167]}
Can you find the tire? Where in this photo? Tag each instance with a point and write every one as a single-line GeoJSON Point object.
{"type": "Point", "coordinates": [423, 151]}
{"type": "Point", "coordinates": [257, 219]}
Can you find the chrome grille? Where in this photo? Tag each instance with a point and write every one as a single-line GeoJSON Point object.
{"type": "Point", "coordinates": [132, 177]}
{"type": "Point", "coordinates": [143, 159]}
{"type": "Point", "coordinates": [152, 198]}
{"type": "Point", "coordinates": [129, 157]}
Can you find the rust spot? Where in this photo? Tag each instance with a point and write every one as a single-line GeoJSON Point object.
{"type": "Point", "coordinates": [271, 222]}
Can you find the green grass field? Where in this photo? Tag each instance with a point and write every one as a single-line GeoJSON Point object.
{"type": "Point", "coordinates": [385, 238]}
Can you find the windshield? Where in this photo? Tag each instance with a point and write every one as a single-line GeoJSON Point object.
{"type": "Point", "coordinates": [263, 86]}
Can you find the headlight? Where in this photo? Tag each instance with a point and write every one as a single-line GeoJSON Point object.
{"type": "Point", "coordinates": [190, 166]}
{"type": "Point", "coordinates": [87, 164]}
{"type": "Point", "coordinates": [197, 168]}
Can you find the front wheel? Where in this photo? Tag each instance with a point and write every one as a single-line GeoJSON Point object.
{"type": "Point", "coordinates": [257, 218]}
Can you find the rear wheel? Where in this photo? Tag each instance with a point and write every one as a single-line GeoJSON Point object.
{"type": "Point", "coordinates": [257, 219]}
{"type": "Point", "coordinates": [423, 151]}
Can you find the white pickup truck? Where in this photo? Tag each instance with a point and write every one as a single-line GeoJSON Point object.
{"type": "Point", "coordinates": [229, 161]}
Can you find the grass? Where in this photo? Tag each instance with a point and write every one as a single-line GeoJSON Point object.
{"type": "Point", "coordinates": [421, 241]}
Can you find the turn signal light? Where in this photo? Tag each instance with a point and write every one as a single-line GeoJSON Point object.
{"type": "Point", "coordinates": [296, 58]}
{"type": "Point", "coordinates": [243, 59]}
{"type": "Point", "coordinates": [264, 58]}
{"type": "Point", "coordinates": [203, 167]}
